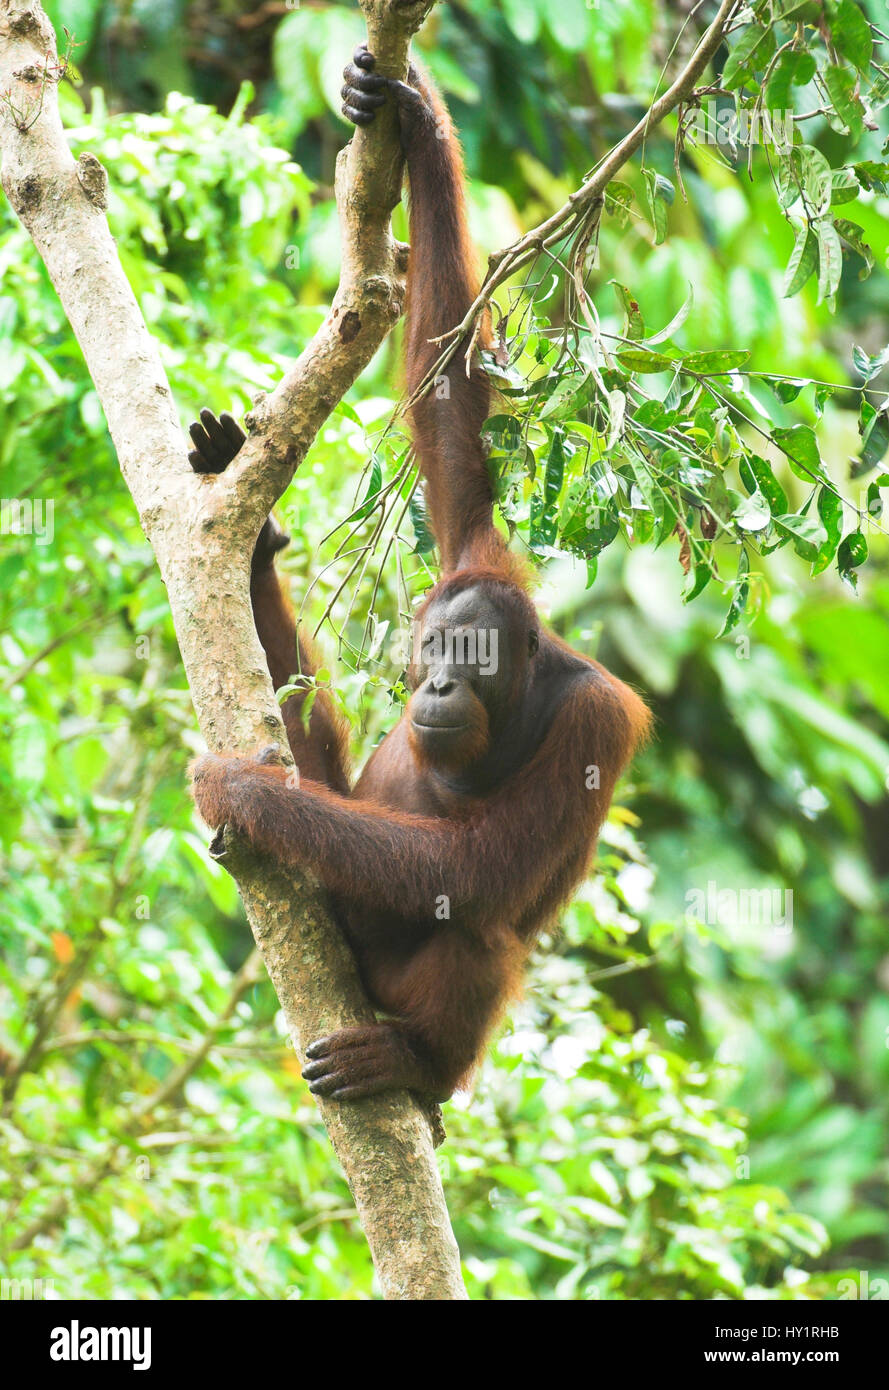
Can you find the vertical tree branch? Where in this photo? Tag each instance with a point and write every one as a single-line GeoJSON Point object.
{"type": "Point", "coordinates": [202, 530]}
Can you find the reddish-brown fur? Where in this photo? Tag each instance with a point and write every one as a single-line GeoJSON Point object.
{"type": "Point", "coordinates": [443, 868]}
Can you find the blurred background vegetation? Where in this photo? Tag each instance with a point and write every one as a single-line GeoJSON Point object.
{"type": "Point", "coordinates": [678, 1108]}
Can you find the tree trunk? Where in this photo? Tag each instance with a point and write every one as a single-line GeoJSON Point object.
{"type": "Point", "coordinates": [202, 531]}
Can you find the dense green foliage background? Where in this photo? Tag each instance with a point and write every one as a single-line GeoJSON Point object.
{"type": "Point", "coordinates": [678, 1108]}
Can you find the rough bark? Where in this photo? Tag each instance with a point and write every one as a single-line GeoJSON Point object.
{"type": "Point", "coordinates": [202, 531]}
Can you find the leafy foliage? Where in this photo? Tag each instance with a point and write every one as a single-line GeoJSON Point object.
{"type": "Point", "coordinates": [679, 1108]}
{"type": "Point", "coordinates": [656, 440]}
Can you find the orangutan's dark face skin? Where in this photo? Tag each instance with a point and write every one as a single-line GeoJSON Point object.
{"type": "Point", "coordinates": [466, 663]}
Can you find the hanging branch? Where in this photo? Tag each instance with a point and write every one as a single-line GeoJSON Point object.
{"type": "Point", "coordinates": [584, 206]}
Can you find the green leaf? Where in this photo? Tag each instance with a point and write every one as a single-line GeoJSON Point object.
{"type": "Point", "coordinates": [874, 497]}
{"type": "Point", "coordinates": [635, 326]}
{"type": "Point", "coordinates": [788, 388]}
{"type": "Point", "coordinates": [869, 367]}
{"type": "Point", "coordinates": [753, 513]}
{"type": "Point", "coordinates": [544, 520]}
{"type": "Point", "coordinates": [757, 475]}
{"type": "Point", "coordinates": [823, 394]}
{"type": "Point", "coordinates": [830, 510]}
{"type": "Point", "coordinates": [652, 415]}
{"type": "Point", "coordinates": [642, 526]}
{"type": "Point", "coordinates": [659, 505]}
{"type": "Point", "coordinates": [618, 197]}
{"type": "Point", "coordinates": [373, 488]}
{"type": "Point", "coordinates": [816, 177]}
{"type": "Point", "coordinates": [305, 713]}
{"type": "Point", "coordinates": [419, 520]}
{"type": "Point", "coordinates": [794, 67]}
{"type": "Point", "coordinates": [750, 54]}
{"type": "Point", "coordinates": [617, 406]}
{"type": "Point", "coordinates": [660, 193]}
{"type": "Point", "coordinates": [714, 363]}
{"type": "Point", "coordinates": [806, 534]}
{"type": "Point", "coordinates": [873, 174]}
{"type": "Point", "coordinates": [787, 180]}
{"type": "Point", "coordinates": [697, 580]}
{"type": "Point", "coordinates": [850, 556]}
{"type": "Point", "coordinates": [740, 595]}
{"type": "Point", "coordinates": [805, 11]}
{"type": "Point", "coordinates": [830, 258]}
{"type": "Point", "coordinates": [875, 442]}
{"type": "Point", "coordinates": [878, 96]}
{"type": "Point", "coordinates": [853, 236]}
{"type": "Point", "coordinates": [633, 360]}
{"type": "Point", "coordinates": [801, 447]}
{"type": "Point", "coordinates": [555, 467]}
{"type": "Point", "coordinates": [505, 431]}
{"type": "Point", "coordinates": [803, 261]}
{"type": "Point", "coordinates": [347, 412]}
{"type": "Point", "coordinates": [851, 33]}
{"type": "Point", "coordinates": [841, 85]}
{"type": "Point", "coordinates": [663, 188]}
{"type": "Point", "coordinates": [845, 187]}
{"type": "Point", "coordinates": [603, 531]}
